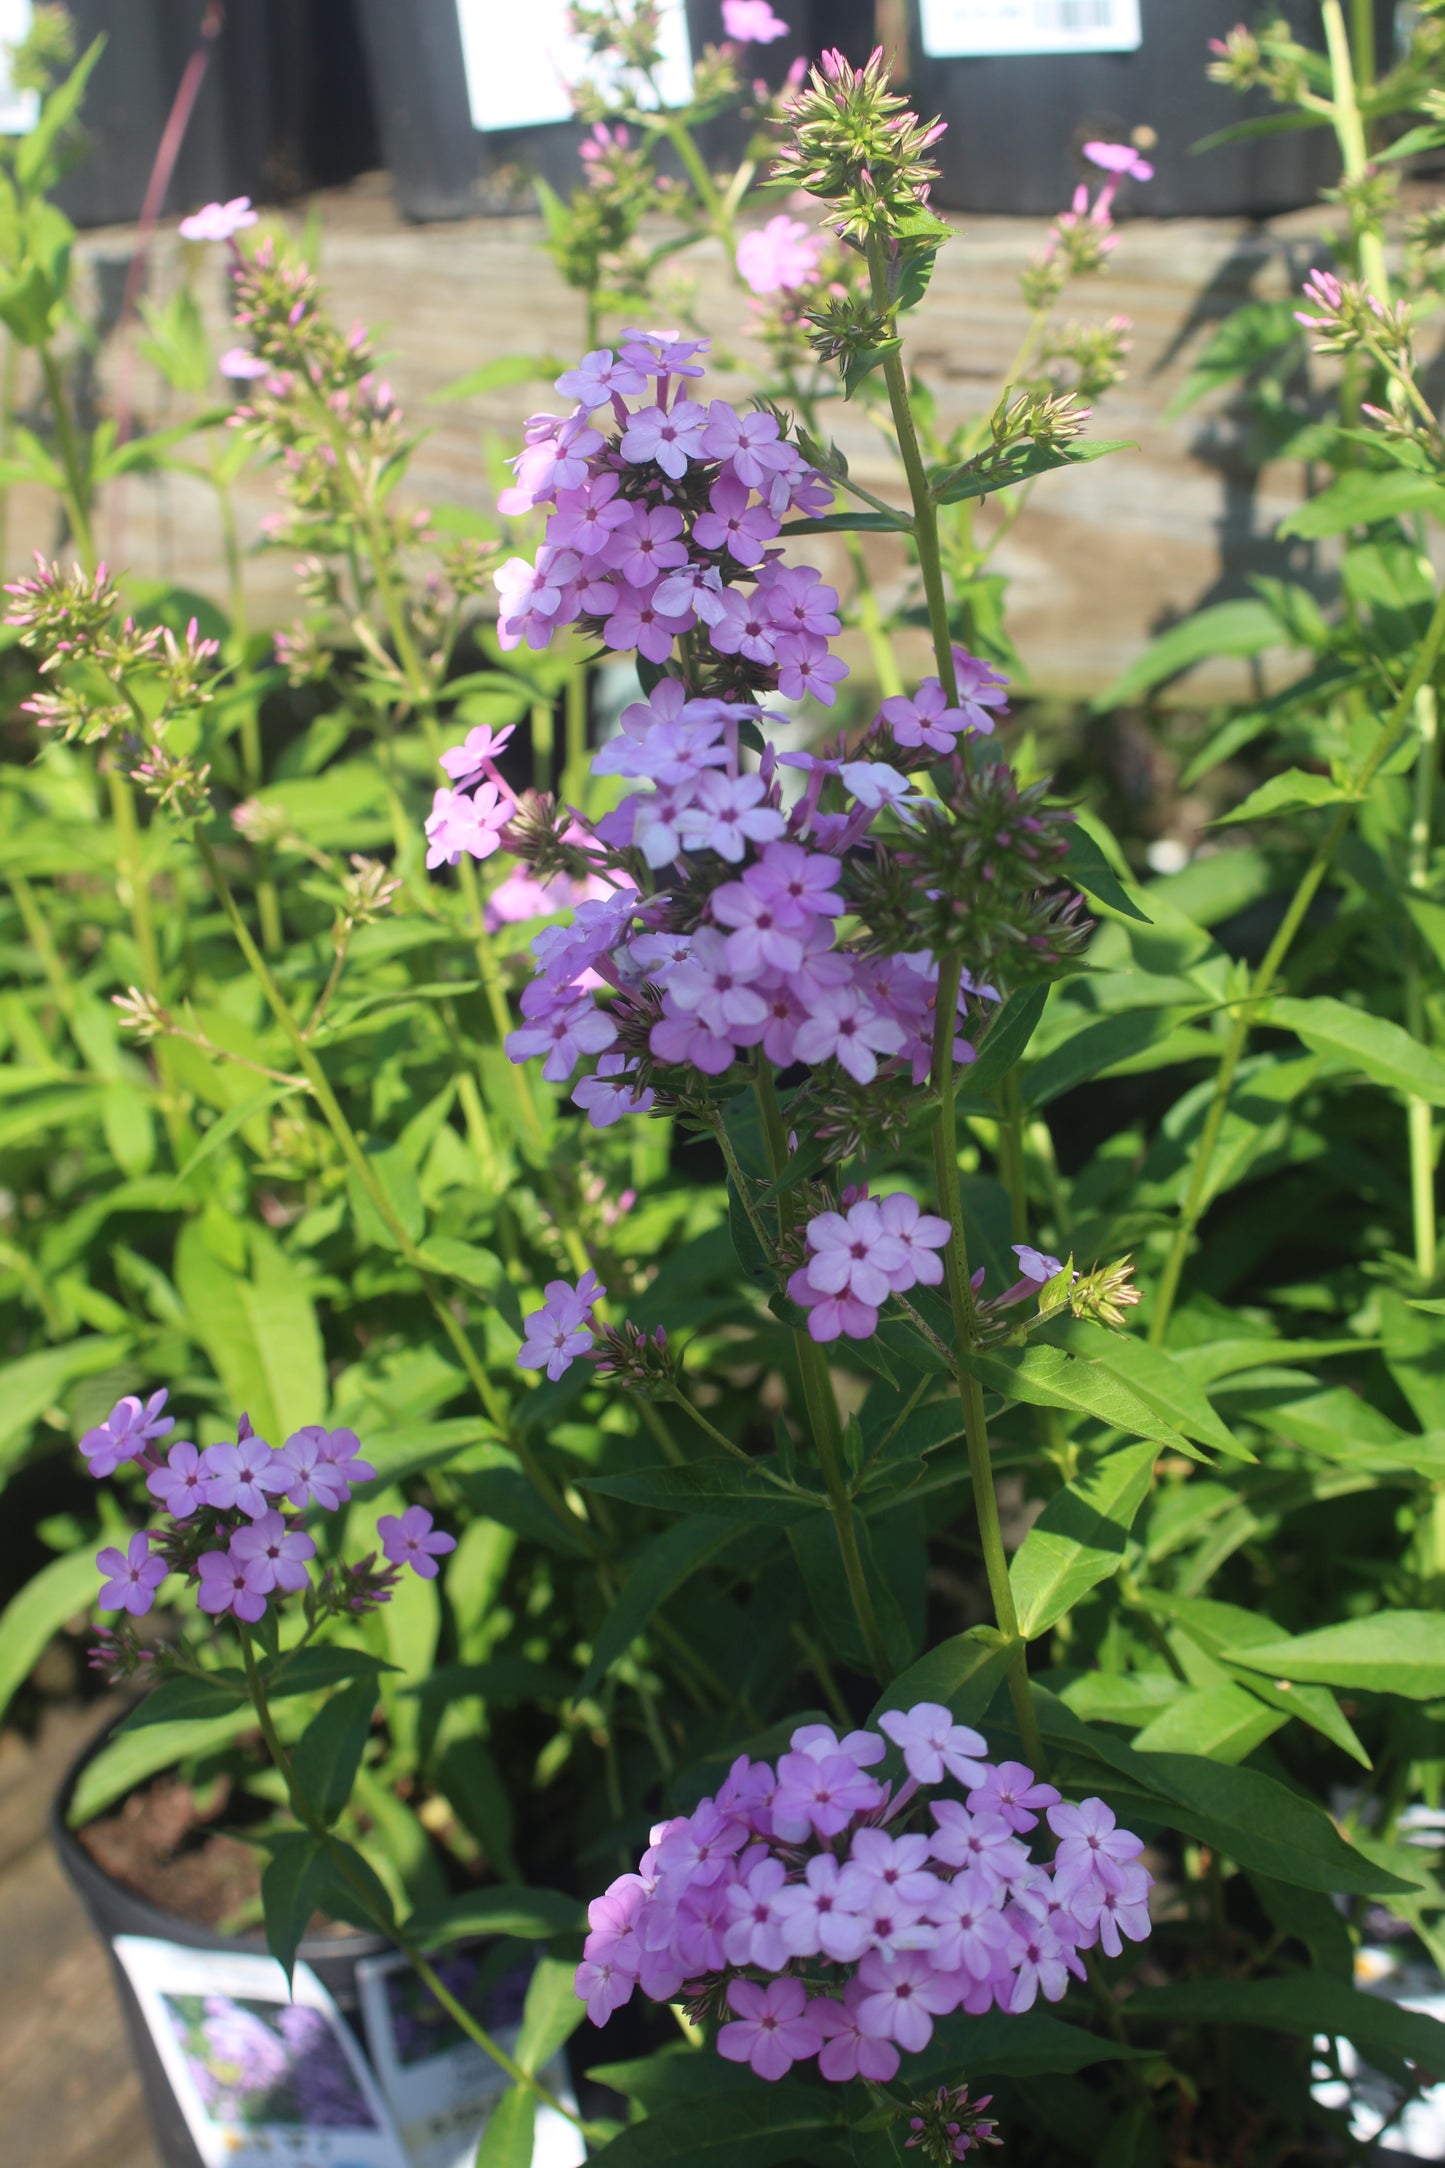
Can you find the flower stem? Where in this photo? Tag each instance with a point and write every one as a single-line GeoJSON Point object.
{"type": "Point", "coordinates": [1350, 134]}
{"type": "Point", "coordinates": [385, 1925]}
{"type": "Point", "coordinates": [960, 1296]}
{"type": "Point", "coordinates": [1391, 731]}
{"type": "Point", "coordinates": [1420, 1120]}
{"type": "Point", "coordinates": [75, 494]}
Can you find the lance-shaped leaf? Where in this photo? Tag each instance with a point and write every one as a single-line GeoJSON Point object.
{"type": "Point", "coordinates": [660, 1567]}
{"type": "Point", "coordinates": [1020, 463]}
{"type": "Point", "coordinates": [1372, 1043]}
{"type": "Point", "coordinates": [1049, 1377]}
{"type": "Point", "coordinates": [716, 1486]}
{"type": "Point", "coordinates": [1395, 1652]}
{"type": "Point", "coordinates": [291, 1883]}
{"type": "Point", "coordinates": [1079, 1539]}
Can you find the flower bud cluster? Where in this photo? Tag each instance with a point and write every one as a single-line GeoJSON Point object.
{"type": "Point", "coordinates": [226, 1529]}
{"type": "Point", "coordinates": [819, 1911]}
{"type": "Point", "coordinates": [853, 143]}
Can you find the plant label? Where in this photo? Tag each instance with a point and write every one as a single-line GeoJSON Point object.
{"type": "Point", "coordinates": [962, 29]}
{"type": "Point", "coordinates": [522, 63]}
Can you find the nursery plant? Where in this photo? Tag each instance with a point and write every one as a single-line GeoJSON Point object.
{"type": "Point", "coordinates": [797, 1390]}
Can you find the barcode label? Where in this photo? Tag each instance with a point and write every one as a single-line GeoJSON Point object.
{"type": "Point", "coordinates": [966, 28]}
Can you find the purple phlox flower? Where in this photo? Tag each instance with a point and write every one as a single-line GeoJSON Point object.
{"type": "Point", "coordinates": [600, 376]}
{"type": "Point", "coordinates": [874, 784]}
{"type": "Point", "coordinates": [933, 1743]}
{"type": "Point", "coordinates": [751, 22]}
{"type": "Point", "coordinates": [641, 621]}
{"type": "Point", "coordinates": [555, 457]}
{"type": "Point", "coordinates": [728, 813]}
{"type": "Point", "coordinates": [815, 1920]}
{"type": "Point", "coordinates": [307, 1474]}
{"type": "Point", "coordinates": [972, 1936]}
{"type": "Point", "coordinates": [666, 437]}
{"type": "Point", "coordinates": [924, 720]}
{"type": "Point", "coordinates": [845, 1026]}
{"type": "Point", "coordinates": [130, 1577]}
{"type": "Point", "coordinates": [1119, 159]}
{"type": "Point", "coordinates": [612, 1924]}
{"type": "Point", "coordinates": [853, 1254]}
{"type": "Point", "coordinates": [710, 986]}
{"type": "Point", "coordinates": [744, 626]}
{"type": "Point", "coordinates": [342, 1448]}
{"type": "Point", "coordinates": [1036, 1264]}
{"type": "Point", "coordinates": [1090, 1843]}
{"type": "Point", "coordinates": [409, 1539]}
{"type": "Point", "coordinates": [562, 1329]}
{"type": "Point", "coordinates": [781, 257]}
{"type": "Point", "coordinates": [754, 1934]}
{"type": "Point", "coordinates": [801, 674]}
{"type": "Point", "coordinates": [983, 1841]}
{"type": "Point", "coordinates": [675, 750]}
{"type": "Point", "coordinates": [832, 1317]}
{"type": "Point", "coordinates": [609, 1094]}
{"type": "Point", "coordinates": [181, 1484]}
{"type": "Point", "coordinates": [980, 687]}
{"type": "Point", "coordinates": [242, 1477]}
{"type": "Point", "coordinates": [457, 824]}
{"type": "Point", "coordinates": [806, 881]}
{"type": "Point", "coordinates": [748, 444]}
{"type": "Point", "coordinates": [1011, 1790]}
{"type": "Point", "coordinates": [863, 1747]}
{"type": "Point", "coordinates": [663, 353]}
{"type": "Point", "coordinates": [848, 2052]}
{"type": "Point", "coordinates": [821, 1795]}
{"type": "Point", "coordinates": [604, 1986]}
{"type": "Point", "coordinates": [773, 2030]}
{"type": "Point", "coordinates": [700, 1926]}
{"type": "Point", "coordinates": [1039, 1961]}
{"type": "Point", "coordinates": [241, 365]}
{"type": "Point", "coordinates": [734, 523]}
{"type": "Point", "coordinates": [571, 1031]}
{"type": "Point", "coordinates": [467, 763]}
{"type": "Point", "coordinates": [225, 1585]}
{"type": "Point", "coordinates": [1327, 293]}
{"type": "Point", "coordinates": [587, 518]}
{"type": "Point", "coordinates": [903, 1996]}
{"type": "Point", "coordinates": [798, 601]}
{"type": "Point", "coordinates": [274, 1555]}
{"type": "Point", "coordinates": [126, 1432]}
{"type": "Point", "coordinates": [922, 1234]}
{"type": "Point", "coordinates": [1107, 1910]}
{"type": "Point", "coordinates": [698, 1848]}
{"type": "Point", "coordinates": [765, 932]}
{"type": "Point", "coordinates": [219, 221]}
{"type": "Point", "coordinates": [646, 545]}
{"type": "Point", "coordinates": [899, 1865]}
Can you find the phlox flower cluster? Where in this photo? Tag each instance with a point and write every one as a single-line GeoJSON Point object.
{"type": "Point", "coordinates": [233, 1516]}
{"type": "Point", "coordinates": [818, 1911]}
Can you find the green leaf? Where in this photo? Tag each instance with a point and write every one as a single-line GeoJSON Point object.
{"type": "Point", "coordinates": [132, 1756]}
{"type": "Point", "coordinates": [1049, 1377]}
{"type": "Point", "coordinates": [963, 1673]}
{"type": "Point", "coordinates": [312, 1670]}
{"type": "Point", "coordinates": [1293, 792]}
{"type": "Point", "coordinates": [224, 1128]}
{"type": "Point", "coordinates": [529, 1915]}
{"type": "Point", "coordinates": [1360, 498]}
{"type": "Point", "coordinates": [1029, 2045]}
{"type": "Point", "coordinates": [182, 1699]}
{"type": "Point", "coordinates": [1302, 2003]}
{"type": "Point", "coordinates": [551, 2014]}
{"type": "Point", "coordinates": [33, 1385]}
{"type": "Point", "coordinates": [1092, 1051]}
{"type": "Point", "coordinates": [291, 1883]}
{"type": "Point", "coordinates": [1245, 627]}
{"type": "Point", "coordinates": [1222, 1722]}
{"type": "Point", "coordinates": [955, 485]}
{"type": "Point", "coordinates": [1415, 1353]}
{"type": "Point", "coordinates": [477, 1268]}
{"type": "Point", "coordinates": [851, 523]}
{"type": "Point", "coordinates": [716, 1486]}
{"type": "Point", "coordinates": [1220, 1628]}
{"type": "Point", "coordinates": [759, 2127]}
{"type": "Point", "coordinates": [1155, 1375]}
{"type": "Point", "coordinates": [397, 1179]}
{"type": "Point", "coordinates": [260, 1332]}
{"type": "Point", "coordinates": [1394, 1652]}
{"type": "Point", "coordinates": [1013, 1025]}
{"type": "Point", "coordinates": [1079, 1539]}
{"type": "Point", "coordinates": [31, 1620]}
{"type": "Point", "coordinates": [661, 1567]}
{"type": "Point", "coordinates": [499, 375]}
{"type": "Point", "coordinates": [1386, 1053]}
{"type": "Point", "coordinates": [328, 1753]}
{"type": "Point", "coordinates": [510, 2133]}
{"type": "Point", "coordinates": [1087, 867]}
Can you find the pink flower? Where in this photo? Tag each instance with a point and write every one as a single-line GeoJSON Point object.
{"type": "Point", "coordinates": [604, 1987]}
{"type": "Point", "coordinates": [754, 1934]}
{"type": "Point", "coordinates": [734, 524]}
{"type": "Point", "coordinates": [781, 257]}
{"type": "Point", "coordinates": [219, 221]}
{"type": "Point", "coordinates": [241, 365]}
{"type": "Point", "coordinates": [225, 1586]}
{"type": "Point", "coordinates": [774, 2029]}
{"type": "Point", "coordinates": [181, 1484]}
{"type": "Point", "coordinates": [748, 444]}
{"type": "Point", "coordinates": [1035, 1265]}
{"type": "Point", "coordinates": [751, 22]}
{"type": "Point", "coordinates": [274, 1555]}
{"type": "Point", "coordinates": [903, 1996]}
{"type": "Point", "coordinates": [666, 439]}
{"type": "Point", "coordinates": [727, 814]}
{"type": "Point", "coordinates": [610, 1093]}
{"type": "Point", "coordinates": [926, 719]}
{"type": "Point", "coordinates": [131, 1576]}
{"type": "Point", "coordinates": [1120, 159]}
{"type": "Point", "coordinates": [306, 1475]}
{"type": "Point", "coordinates": [600, 376]}
{"type": "Point", "coordinates": [1111, 1909]}
{"type": "Point", "coordinates": [850, 2053]}
{"type": "Point", "coordinates": [972, 1936]}
{"type": "Point", "coordinates": [933, 1743]}
{"type": "Point", "coordinates": [572, 1030]}
{"type": "Point", "coordinates": [466, 763]}
{"type": "Point", "coordinates": [1091, 1844]}
{"type": "Point", "coordinates": [645, 544]}
{"type": "Point", "coordinates": [243, 1476]}
{"type": "Point", "coordinates": [409, 1539]}
{"type": "Point", "coordinates": [457, 824]}
{"type": "Point", "coordinates": [820, 1795]}
{"type": "Point", "coordinates": [815, 1920]}
{"type": "Point", "coordinates": [1011, 1791]}
{"type": "Point", "coordinates": [562, 1329]}
{"type": "Point", "coordinates": [125, 1433]}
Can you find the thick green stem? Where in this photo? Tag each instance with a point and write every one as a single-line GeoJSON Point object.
{"type": "Point", "coordinates": [1420, 1120]}
{"type": "Point", "coordinates": [76, 492]}
{"type": "Point", "coordinates": [1354, 149]}
{"type": "Point", "coordinates": [361, 1891]}
{"type": "Point", "coordinates": [1011, 1165]}
{"type": "Point", "coordinates": [822, 1404]}
{"type": "Point", "coordinates": [1391, 731]}
{"type": "Point", "coordinates": [925, 511]}
{"type": "Point", "coordinates": [960, 1297]}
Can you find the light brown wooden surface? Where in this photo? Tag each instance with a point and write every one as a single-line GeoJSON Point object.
{"type": "Point", "coordinates": [1100, 559]}
{"type": "Point", "coordinates": [69, 2095]}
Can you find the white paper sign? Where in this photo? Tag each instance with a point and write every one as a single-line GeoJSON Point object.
{"type": "Point", "coordinates": [19, 109]}
{"type": "Point", "coordinates": [520, 59]}
{"type": "Point", "coordinates": [967, 28]}
{"type": "Point", "coordinates": [264, 2078]}
{"type": "Point", "coordinates": [440, 2086]}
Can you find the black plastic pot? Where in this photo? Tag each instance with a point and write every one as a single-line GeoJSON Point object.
{"type": "Point", "coordinates": [1016, 124]}
{"type": "Point", "coordinates": [114, 1910]}
{"type": "Point", "coordinates": [442, 167]}
{"type": "Point", "coordinates": [284, 106]}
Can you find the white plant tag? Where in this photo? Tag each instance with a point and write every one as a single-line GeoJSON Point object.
{"type": "Point", "coordinates": [19, 109]}
{"type": "Point", "coordinates": [956, 29]}
{"type": "Point", "coordinates": [521, 60]}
